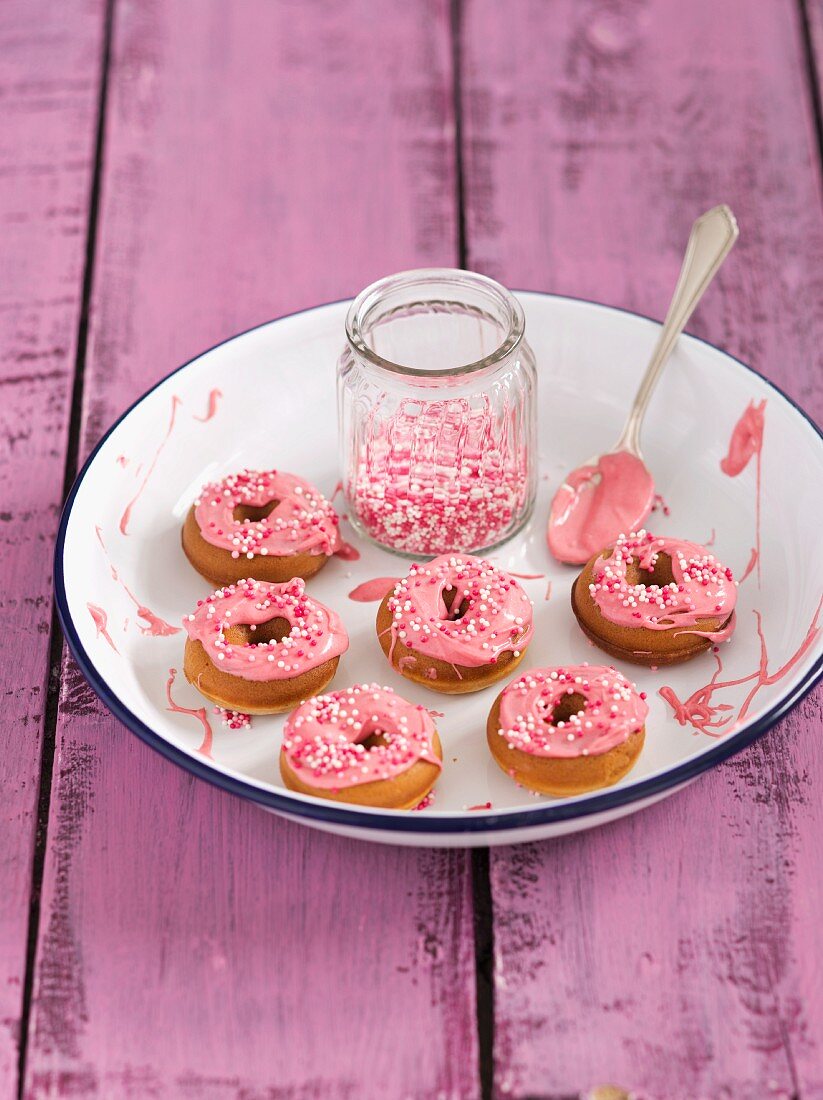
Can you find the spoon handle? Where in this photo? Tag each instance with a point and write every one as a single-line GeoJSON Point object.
{"type": "Point", "coordinates": [710, 242]}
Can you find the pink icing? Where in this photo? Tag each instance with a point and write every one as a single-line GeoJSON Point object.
{"type": "Point", "coordinates": [702, 588]}
{"type": "Point", "coordinates": [706, 716]}
{"type": "Point", "coordinates": [205, 746]}
{"type": "Point", "coordinates": [746, 442]}
{"type": "Point", "coordinates": [125, 519]}
{"type": "Point", "coordinates": [101, 623]}
{"type": "Point", "coordinates": [214, 397]}
{"type": "Point", "coordinates": [317, 633]}
{"type": "Point", "coordinates": [373, 590]}
{"type": "Point", "coordinates": [612, 711]}
{"type": "Point", "coordinates": [303, 522]}
{"type": "Point", "coordinates": [595, 503]}
{"type": "Point", "coordinates": [497, 616]}
{"type": "Point", "coordinates": [322, 739]}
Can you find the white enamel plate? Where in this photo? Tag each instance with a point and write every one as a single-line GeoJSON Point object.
{"type": "Point", "coordinates": [120, 572]}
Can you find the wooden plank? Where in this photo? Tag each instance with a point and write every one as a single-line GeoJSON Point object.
{"type": "Point", "coordinates": [813, 12]}
{"type": "Point", "coordinates": [48, 97]}
{"type": "Point", "coordinates": [259, 157]}
{"type": "Point", "coordinates": [674, 953]}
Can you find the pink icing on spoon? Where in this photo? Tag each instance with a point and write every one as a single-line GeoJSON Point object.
{"type": "Point", "coordinates": [325, 739]}
{"type": "Point", "coordinates": [595, 503]}
{"type": "Point", "coordinates": [315, 633]}
{"type": "Point", "coordinates": [696, 587]}
{"type": "Point", "coordinates": [301, 521]}
{"type": "Point", "coordinates": [489, 613]}
{"type": "Point", "coordinates": [601, 707]}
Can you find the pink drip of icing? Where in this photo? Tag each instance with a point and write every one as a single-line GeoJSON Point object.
{"type": "Point", "coordinates": [527, 576]}
{"type": "Point", "coordinates": [713, 719]}
{"type": "Point", "coordinates": [126, 517]}
{"type": "Point", "coordinates": [612, 711]}
{"type": "Point", "coordinates": [322, 739]}
{"type": "Point", "coordinates": [347, 552]}
{"type": "Point", "coordinates": [479, 806]}
{"type": "Point", "coordinates": [374, 590]}
{"type": "Point", "coordinates": [548, 595]}
{"type": "Point", "coordinates": [317, 633]}
{"type": "Point", "coordinates": [122, 461]}
{"type": "Point", "coordinates": [199, 713]}
{"type": "Point", "coordinates": [753, 560]}
{"type": "Point", "coordinates": [152, 625]}
{"type": "Point", "coordinates": [214, 397]}
{"type": "Point", "coordinates": [595, 503]}
{"type": "Point", "coordinates": [746, 442]}
{"type": "Point", "coordinates": [101, 624]}
{"type": "Point", "coordinates": [711, 539]}
{"type": "Point", "coordinates": [702, 588]}
{"type": "Point", "coordinates": [302, 522]}
{"type": "Point", "coordinates": [497, 619]}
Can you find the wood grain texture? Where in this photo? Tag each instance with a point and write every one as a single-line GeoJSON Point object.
{"type": "Point", "coordinates": [259, 157]}
{"type": "Point", "coordinates": [48, 86]}
{"type": "Point", "coordinates": [674, 953]}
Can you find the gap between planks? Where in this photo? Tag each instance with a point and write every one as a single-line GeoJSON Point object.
{"type": "Point", "coordinates": [69, 474]}
{"type": "Point", "coordinates": [480, 861]}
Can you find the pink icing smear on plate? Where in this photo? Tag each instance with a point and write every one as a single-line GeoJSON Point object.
{"type": "Point", "coordinates": [595, 503]}
{"type": "Point", "coordinates": [326, 740]}
{"type": "Point", "coordinates": [608, 709]}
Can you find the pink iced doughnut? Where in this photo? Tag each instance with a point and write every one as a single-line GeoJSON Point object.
{"type": "Point", "coordinates": [568, 730]}
{"type": "Point", "coordinates": [363, 744]}
{"type": "Point", "coordinates": [269, 524]}
{"type": "Point", "coordinates": [455, 624]}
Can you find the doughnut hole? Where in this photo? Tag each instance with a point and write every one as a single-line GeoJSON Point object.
{"type": "Point", "coordinates": [568, 706]}
{"type": "Point", "coordinates": [244, 513]}
{"type": "Point", "coordinates": [661, 574]}
{"type": "Point", "coordinates": [454, 613]}
{"type": "Point", "coordinates": [376, 739]}
{"type": "Point", "coordinates": [273, 630]}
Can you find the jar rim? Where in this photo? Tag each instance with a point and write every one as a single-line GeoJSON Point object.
{"type": "Point", "coordinates": [421, 277]}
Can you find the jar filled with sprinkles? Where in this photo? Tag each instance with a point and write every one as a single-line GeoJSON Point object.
{"type": "Point", "coordinates": [436, 412]}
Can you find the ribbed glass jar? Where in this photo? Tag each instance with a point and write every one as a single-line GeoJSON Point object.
{"type": "Point", "coordinates": [436, 411]}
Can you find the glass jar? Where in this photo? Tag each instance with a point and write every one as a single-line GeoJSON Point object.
{"type": "Point", "coordinates": [436, 412]}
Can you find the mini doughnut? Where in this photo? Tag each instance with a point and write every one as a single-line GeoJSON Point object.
{"type": "Point", "coordinates": [455, 624]}
{"type": "Point", "coordinates": [364, 745]}
{"type": "Point", "coordinates": [261, 648]}
{"type": "Point", "coordinates": [655, 601]}
{"type": "Point", "coordinates": [268, 524]}
{"type": "Point", "coordinates": [564, 731]}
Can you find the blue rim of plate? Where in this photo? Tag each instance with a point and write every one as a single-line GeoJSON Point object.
{"type": "Point", "coordinates": [478, 822]}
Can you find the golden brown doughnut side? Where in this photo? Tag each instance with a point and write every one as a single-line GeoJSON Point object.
{"type": "Point", "coordinates": [253, 696]}
{"type": "Point", "coordinates": [448, 679]}
{"type": "Point", "coordinates": [639, 645]}
{"type": "Point", "coordinates": [562, 776]}
{"type": "Point", "coordinates": [219, 568]}
{"type": "Point", "coordinates": [402, 792]}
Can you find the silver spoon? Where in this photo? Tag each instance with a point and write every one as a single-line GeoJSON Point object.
{"type": "Point", "coordinates": [582, 522]}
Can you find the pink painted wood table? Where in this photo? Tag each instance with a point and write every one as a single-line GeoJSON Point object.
{"type": "Point", "coordinates": [172, 171]}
